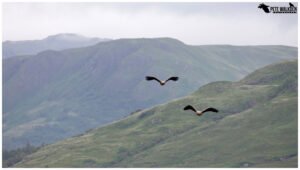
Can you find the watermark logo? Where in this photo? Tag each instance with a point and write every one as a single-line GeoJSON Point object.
{"type": "Point", "coordinates": [291, 9]}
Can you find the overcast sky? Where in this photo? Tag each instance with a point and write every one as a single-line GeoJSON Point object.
{"type": "Point", "coordinates": [192, 23]}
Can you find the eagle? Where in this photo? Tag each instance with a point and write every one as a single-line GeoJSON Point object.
{"type": "Point", "coordinates": [200, 112]}
{"type": "Point", "coordinates": [149, 78]}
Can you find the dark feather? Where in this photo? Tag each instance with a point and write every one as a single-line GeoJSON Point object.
{"type": "Point", "coordinates": [189, 107]}
{"type": "Point", "coordinates": [152, 78]}
{"type": "Point", "coordinates": [210, 109]}
{"type": "Point", "coordinates": [173, 78]}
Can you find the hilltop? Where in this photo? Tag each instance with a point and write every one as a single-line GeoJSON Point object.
{"type": "Point", "coordinates": [52, 42]}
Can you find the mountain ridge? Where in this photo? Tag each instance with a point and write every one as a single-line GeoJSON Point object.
{"type": "Point", "coordinates": [52, 42]}
{"type": "Point", "coordinates": [248, 131]}
{"type": "Point", "coordinates": [64, 93]}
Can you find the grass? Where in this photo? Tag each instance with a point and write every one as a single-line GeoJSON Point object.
{"type": "Point", "coordinates": [256, 127]}
{"type": "Point", "coordinates": [105, 82]}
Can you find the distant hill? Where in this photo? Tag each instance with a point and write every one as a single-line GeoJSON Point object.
{"type": "Point", "coordinates": [256, 126]}
{"type": "Point", "coordinates": [53, 42]}
{"type": "Point", "coordinates": [59, 94]}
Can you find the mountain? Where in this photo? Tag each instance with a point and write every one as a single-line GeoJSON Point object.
{"type": "Point", "coordinates": [59, 94]}
{"type": "Point", "coordinates": [256, 126]}
{"type": "Point", "coordinates": [53, 42]}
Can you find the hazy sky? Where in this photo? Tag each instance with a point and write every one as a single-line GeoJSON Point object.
{"type": "Point", "coordinates": [192, 23]}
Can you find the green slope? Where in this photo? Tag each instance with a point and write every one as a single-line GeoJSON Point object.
{"type": "Point", "coordinates": [59, 94]}
{"type": "Point", "coordinates": [256, 127]}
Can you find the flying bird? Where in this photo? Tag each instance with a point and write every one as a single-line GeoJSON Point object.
{"type": "Point", "coordinates": [161, 82]}
{"type": "Point", "coordinates": [200, 112]}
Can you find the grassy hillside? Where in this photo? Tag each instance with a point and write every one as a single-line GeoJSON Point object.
{"type": "Point", "coordinates": [256, 126]}
{"type": "Point", "coordinates": [59, 94]}
{"type": "Point", "coordinates": [53, 42]}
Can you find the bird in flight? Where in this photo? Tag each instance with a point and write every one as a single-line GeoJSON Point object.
{"type": "Point", "coordinates": [200, 112]}
{"type": "Point", "coordinates": [161, 82]}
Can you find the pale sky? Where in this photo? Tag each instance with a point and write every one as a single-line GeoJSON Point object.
{"type": "Point", "coordinates": [193, 23]}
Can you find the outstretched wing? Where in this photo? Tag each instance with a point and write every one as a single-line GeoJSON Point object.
{"type": "Point", "coordinates": [189, 107]}
{"type": "Point", "coordinates": [210, 109]}
{"type": "Point", "coordinates": [173, 78]}
{"type": "Point", "coordinates": [152, 78]}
